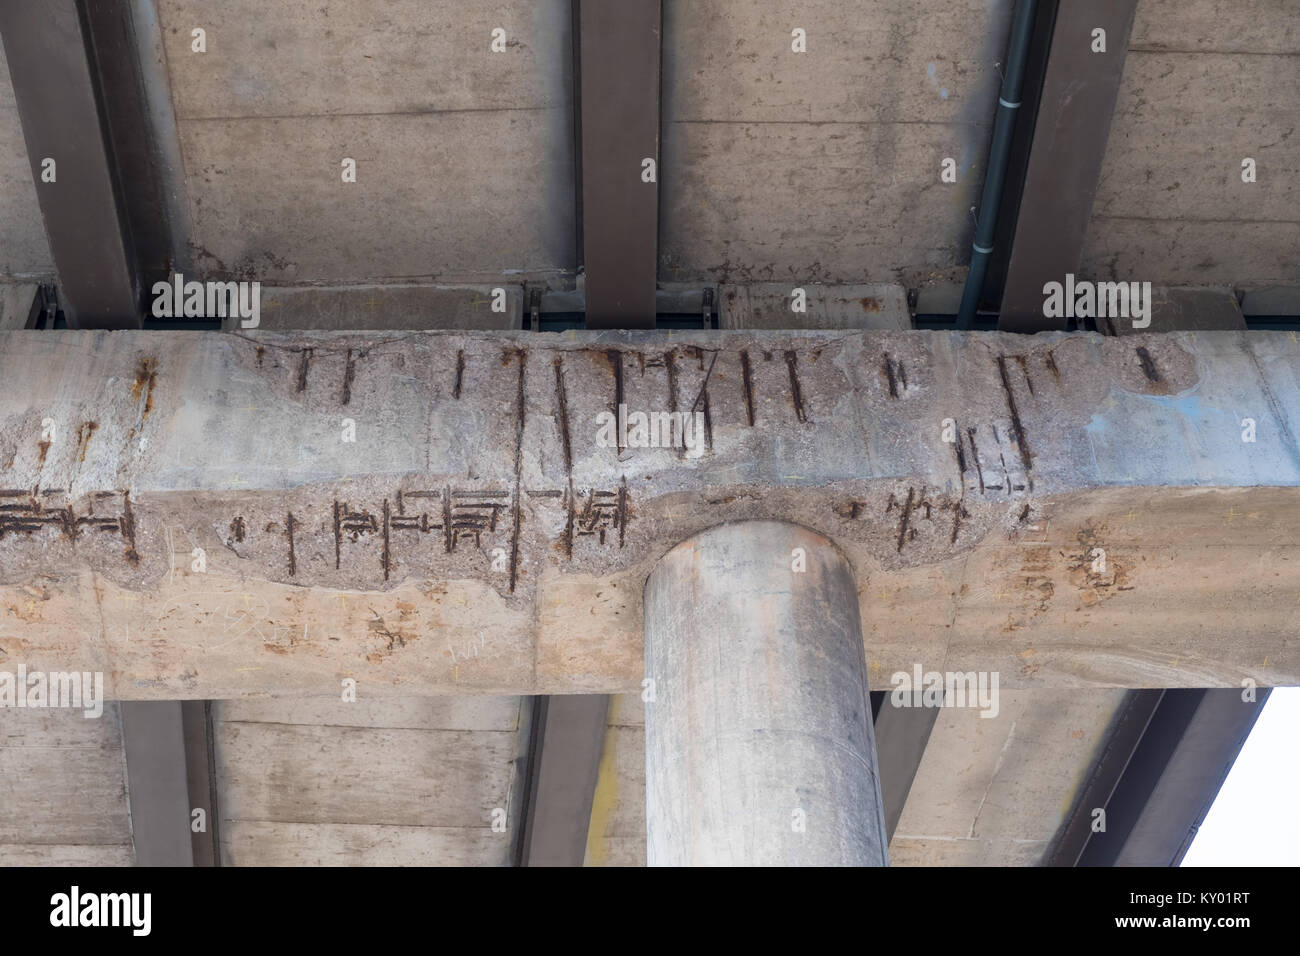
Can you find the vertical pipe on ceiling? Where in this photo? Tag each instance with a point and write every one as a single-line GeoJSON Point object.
{"type": "Point", "coordinates": [1004, 126]}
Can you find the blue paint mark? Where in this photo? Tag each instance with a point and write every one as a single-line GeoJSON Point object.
{"type": "Point", "coordinates": [930, 72]}
{"type": "Point", "coordinates": [1188, 407]}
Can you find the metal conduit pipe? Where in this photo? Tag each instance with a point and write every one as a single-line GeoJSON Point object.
{"type": "Point", "coordinates": [1004, 126]}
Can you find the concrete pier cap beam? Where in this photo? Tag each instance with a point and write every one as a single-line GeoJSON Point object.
{"type": "Point", "coordinates": [759, 747]}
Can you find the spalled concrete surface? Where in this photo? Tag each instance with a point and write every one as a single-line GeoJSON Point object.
{"type": "Point", "coordinates": [824, 166]}
{"type": "Point", "coordinates": [23, 249]}
{"type": "Point", "coordinates": [476, 537]}
{"type": "Point", "coordinates": [1206, 84]}
{"type": "Point", "coordinates": [464, 157]}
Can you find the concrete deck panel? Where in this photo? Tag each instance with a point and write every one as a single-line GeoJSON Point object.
{"type": "Point", "coordinates": [464, 156]}
{"type": "Point", "coordinates": [1206, 84]}
{"type": "Point", "coordinates": [370, 782]}
{"type": "Point", "coordinates": [824, 166]}
{"type": "Point", "coordinates": [63, 795]}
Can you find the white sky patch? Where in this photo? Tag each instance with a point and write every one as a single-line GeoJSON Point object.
{"type": "Point", "coordinates": [1253, 821]}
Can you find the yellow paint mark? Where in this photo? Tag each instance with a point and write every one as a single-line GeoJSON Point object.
{"type": "Point", "coordinates": [602, 804]}
{"type": "Point", "coordinates": [241, 670]}
{"type": "Point", "coordinates": [1027, 653]}
{"type": "Point", "coordinates": [1266, 661]}
{"type": "Point", "coordinates": [1233, 513]}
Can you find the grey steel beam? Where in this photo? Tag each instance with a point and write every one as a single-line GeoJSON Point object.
{"type": "Point", "coordinates": [157, 789]}
{"type": "Point", "coordinates": [618, 45]}
{"type": "Point", "coordinates": [60, 103]}
{"type": "Point", "coordinates": [1163, 765]}
{"type": "Point", "coordinates": [568, 734]}
{"type": "Point", "coordinates": [201, 781]}
{"type": "Point", "coordinates": [126, 40]}
{"type": "Point", "coordinates": [1072, 127]}
{"type": "Point", "coordinates": [1122, 742]}
{"type": "Point", "coordinates": [169, 773]}
{"type": "Point", "coordinates": [901, 736]}
{"type": "Point", "coordinates": [1173, 810]}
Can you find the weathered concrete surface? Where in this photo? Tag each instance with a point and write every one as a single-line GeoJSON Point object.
{"type": "Point", "coordinates": [824, 166]}
{"type": "Point", "coordinates": [1206, 84]}
{"type": "Point", "coordinates": [18, 304]}
{"type": "Point", "coordinates": [617, 834]}
{"type": "Point", "coordinates": [990, 791]}
{"type": "Point", "coordinates": [1185, 310]}
{"type": "Point", "coordinates": [62, 788]}
{"type": "Point", "coordinates": [994, 791]}
{"type": "Point", "coordinates": [464, 156]}
{"type": "Point", "coordinates": [23, 249]}
{"type": "Point", "coordinates": [395, 782]}
{"type": "Point", "coordinates": [759, 747]}
{"type": "Point", "coordinates": [981, 554]}
{"type": "Point", "coordinates": [767, 305]}
{"type": "Point", "coordinates": [388, 307]}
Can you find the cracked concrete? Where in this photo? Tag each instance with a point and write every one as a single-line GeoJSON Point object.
{"type": "Point", "coordinates": [216, 534]}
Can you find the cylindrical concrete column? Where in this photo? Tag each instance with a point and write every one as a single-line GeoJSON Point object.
{"type": "Point", "coordinates": [759, 747]}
